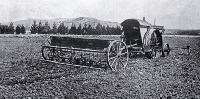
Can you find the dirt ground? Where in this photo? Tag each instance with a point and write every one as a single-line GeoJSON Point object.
{"type": "Point", "coordinates": [23, 75]}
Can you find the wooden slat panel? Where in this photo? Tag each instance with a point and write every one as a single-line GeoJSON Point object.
{"type": "Point", "coordinates": [94, 44]}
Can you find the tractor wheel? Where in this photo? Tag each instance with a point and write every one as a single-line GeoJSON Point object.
{"type": "Point", "coordinates": [48, 53]}
{"type": "Point", "coordinates": [117, 55]}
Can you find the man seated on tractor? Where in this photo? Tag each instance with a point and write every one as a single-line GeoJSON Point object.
{"type": "Point", "coordinates": [131, 29]}
{"type": "Point", "coordinates": [132, 36]}
{"type": "Point", "coordinates": [159, 37]}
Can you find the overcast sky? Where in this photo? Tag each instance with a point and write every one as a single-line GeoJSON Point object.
{"type": "Point", "coordinates": [181, 14]}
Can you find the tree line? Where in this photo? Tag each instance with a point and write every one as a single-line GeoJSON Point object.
{"type": "Point", "coordinates": [10, 29]}
{"type": "Point", "coordinates": [45, 28]}
{"type": "Point", "coordinates": [80, 30]}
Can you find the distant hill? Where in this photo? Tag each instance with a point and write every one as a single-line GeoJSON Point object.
{"type": "Point", "coordinates": [67, 21]}
{"type": "Point", "coordinates": [181, 32]}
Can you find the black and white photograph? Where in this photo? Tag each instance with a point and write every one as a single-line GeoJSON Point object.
{"type": "Point", "coordinates": [99, 49]}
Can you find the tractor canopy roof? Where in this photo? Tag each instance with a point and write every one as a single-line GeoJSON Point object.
{"type": "Point", "coordinates": [129, 23]}
{"type": "Point", "coordinates": [135, 23]}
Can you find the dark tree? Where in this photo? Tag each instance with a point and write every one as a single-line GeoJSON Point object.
{"type": "Point", "coordinates": [33, 28]}
{"type": "Point", "coordinates": [61, 28]}
{"type": "Point", "coordinates": [73, 29]}
{"type": "Point", "coordinates": [46, 28]}
{"type": "Point", "coordinates": [5, 29]}
{"type": "Point", "coordinates": [18, 29]}
{"type": "Point", "coordinates": [118, 30]}
{"type": "Point", "coordinates": [84, 29]}
{"type": "Point", "coordinates": [108, 31]}
{"type": "Point", "coordinates": [104, 31]}
{"type": "Point", "coordinates": [66, 30]}
{"type": "Point", "coordinates": [11, 28]}
{"type": "Point", "coordinates": [89, 30]}
{"type": "Point", "coordinates": [98, 29]}
{"type": "Point", "coordinates": [79, 30]}
{"type": "Point", "coordinates": [23, 30]}
{"type": "Point", "coordinates": [40, 28]}
{"type": "Point", "coordinates": [54, 28]}
{"type": "Point", "coordinates": [0, 28]}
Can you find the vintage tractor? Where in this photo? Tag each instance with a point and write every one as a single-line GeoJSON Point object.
{"type": "Point", "coordinates": [142, 37]}
{"type": "Point", "coordinates": [138, 36]}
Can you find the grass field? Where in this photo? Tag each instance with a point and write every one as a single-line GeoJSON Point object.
{"type": "Point", "coordinates": [24, 76]}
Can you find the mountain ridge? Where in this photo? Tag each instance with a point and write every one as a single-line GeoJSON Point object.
{"type": "Point", "coordinates": [67, 21]}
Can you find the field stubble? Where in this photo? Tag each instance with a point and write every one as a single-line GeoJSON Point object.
{"type": "Point", "coordinates": [23, 75]}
